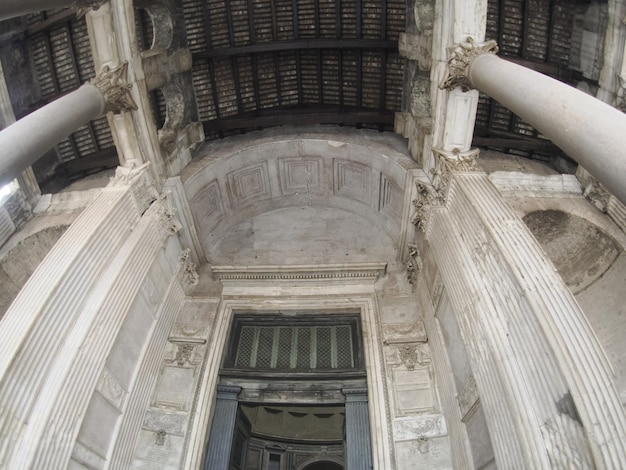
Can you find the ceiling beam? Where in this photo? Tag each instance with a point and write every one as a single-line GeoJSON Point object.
{"type": "Point", "coordinates": [305, 116]}
{"type": "Point", "coordinates": [301, 44]}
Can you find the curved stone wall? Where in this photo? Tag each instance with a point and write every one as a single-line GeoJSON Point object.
{"type": "Point", "coordinates": [364, 173]}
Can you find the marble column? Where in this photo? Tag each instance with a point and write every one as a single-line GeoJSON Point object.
{"type": "Point", "coordinates": [588, 130]}
{"type": "Point", "coordinates": [26, 140]}
{"type": "Point", "coordinates": [13, 8]}
{"type": "Point", "coordinates": [222, 428]}
{"type": "Point", "coordinates": [545, 384]}
{"type": "Point", "coordinates": [358, 438]}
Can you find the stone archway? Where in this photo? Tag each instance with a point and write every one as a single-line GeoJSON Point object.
{"type": "Point", "coordinates": [323, 465]}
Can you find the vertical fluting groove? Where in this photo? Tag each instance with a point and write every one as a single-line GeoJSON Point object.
{"type": "Point", "coordinates": [459, 444]}
{"type": "Point", "coordinates": [458, 275]}
{"type": "Point", "coordinates": [49, 305]}
{"type": "Point", "coordinates": [142, 388]}
{"type": "Point", "coordinates": [570, 336]}
{"type": "Point", "coordinates": [73, 379]}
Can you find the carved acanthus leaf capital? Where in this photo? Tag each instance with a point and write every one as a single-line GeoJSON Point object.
{"type": "Point", "coordinates": [112, 84]}
{"type": "Point", "coordinates": [447, 163]}
{"type": "Point", "coordinates": [461, 57]}
{"type": "Point", "coordinates": [81, 7]}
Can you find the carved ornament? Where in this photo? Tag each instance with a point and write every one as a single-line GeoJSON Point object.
{"type": "Point", "coordinates": [404, 333]}
{"type": "Point", "coordinates": [167, 222]}
{"type": "Point", "coordinates": [413, 355]}
{"type": "Point", "coordinates": [468, 399]}
{"type": "Point", "coordinates": [427, 196]}
{"type": "Point", "coordinates": [112, 84]}
{"type": "Point", "coordinates": [447, 163]}
{"type": "Point", "coordinates": [138, 178]}
{"type": "Point", "coordinates": [183, 354]}
{"type": "Point", "coordinates": [81, 7]}
{"type": "Point", "coordinates": [595, 192]}
{"type": "Point", "coordinates": [413, 265]}
{"type": "Point", "coordinates": [187, 273]}
{"type": "Point", "coordinates": [461, 57]}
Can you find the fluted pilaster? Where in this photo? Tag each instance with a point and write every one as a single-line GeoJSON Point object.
{"type": "Point", "coordinates": [358, 436]}
{"type": "Point", "coordinates": [542, 375]}
{"type": "Point", "coordinates": [222, 428]}
{"type": "Point", "coordinates": [122, 455]}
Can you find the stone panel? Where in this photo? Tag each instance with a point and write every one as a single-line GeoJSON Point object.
{"type": "Point", "coordinates": [300, 175]}
{"type": "Point", "coordinates": [391, 197]}
{"type": "Point", "coordinates": [352, 180]}
{"type": "Point", "coordinates": [209, 202]}
{"type": "Point", "coordinates": [419, 427]}
{"type": "Point", "coordinates": [99, 425]}
{"type": "Point", "coordinates": [158, 451]}
{"type": "Point", "coordinates": [175, 386]}
{"type": "Point", "coordinates": [433, 454]}
{"type": "Point", "coordinates": [249, 184]}
{"type": "Point", "coordinates": [412, 390]}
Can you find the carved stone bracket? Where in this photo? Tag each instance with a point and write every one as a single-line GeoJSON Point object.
{"type": "Point", "coordinates": [413, 265]}
{"type": "Point", "coordinates": [427, 196]}
{"type": "Point", "coordinates": [186, 271]}
{"type": "Point", "coordinates": [81, 7]}
{"type": "Point", "coordinates": [399, 333]}
{"type": "Point", "coordinates": [594, 191]}
{"type": "Point", "coordinates": [461, 57]}
{"type": "Point", "coordinates": [447, 163]}
{"type": "Point", "coordinates": [112, 84]}
{"type": "Point", "coordinates": [138, 178]}
{"type": "Point", "coordinates": [168, 224]}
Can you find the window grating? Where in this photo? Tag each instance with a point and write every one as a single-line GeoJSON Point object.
{"type": "Point", "coordinates": [295, 347]}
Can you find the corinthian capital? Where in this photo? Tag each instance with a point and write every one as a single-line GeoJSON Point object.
{"type": "Point", "coordinates": [81, 7]}
{"type": "Point", "coordinates": [461, 57]}
{"type": "Point", "coordinates": [112, 84]}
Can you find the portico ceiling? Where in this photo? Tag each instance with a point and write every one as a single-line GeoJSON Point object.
{"type": "Point", "coordinates": [263, 63]}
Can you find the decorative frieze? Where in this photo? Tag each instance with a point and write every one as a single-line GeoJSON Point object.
{"type": "Point", "coordinates": [189, 334]}
{"type": "Point", "coordinates": [358, 271]}
{"type": "Point", "coordinates": [419, 427]}
{"type": "Point", "coordinates": [112, 84]}
{"type": "Point", "coordinates": [460, 59]}
{"type": "Point", "coordinates": [186, 271]}
{"type": "Point", "coordinates": [404, 333]}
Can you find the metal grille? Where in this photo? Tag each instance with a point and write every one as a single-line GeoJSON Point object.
{"type": "Point", "coordinates": [344, 348]}
{"type": "Point", "coordinates": [283, 360]}
{"type": "Point", "coordinates": [295, 347]}
{"type": "Point", "coordinates": [303, 360]}
{"type": "Point", "coordinates": [323, 348]}
{"type": "Point", "coordinates": [244, 350]}
{"type": "Point", "coordinates": [264, 351]}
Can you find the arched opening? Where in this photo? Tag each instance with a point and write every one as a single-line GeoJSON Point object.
{"type": "Point", "coordinates": [323, 466]}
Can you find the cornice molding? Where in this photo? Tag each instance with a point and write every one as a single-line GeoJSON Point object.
{"type": "Point", "coordinates": [330, 272]}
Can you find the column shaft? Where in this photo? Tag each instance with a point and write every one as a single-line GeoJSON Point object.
{"type": "Point", "coordinates": [222, 428]}
{"type": "Point", "coordinates": [358, 438]}
{"type": "Point", "coordinates": [588, 130]}
{"type": "Point", "coordinates": [13, 8]}
{"type": "Point", "coordinates": [544, 381]}
{"type": "Point", "coordinates": [25, 141]}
